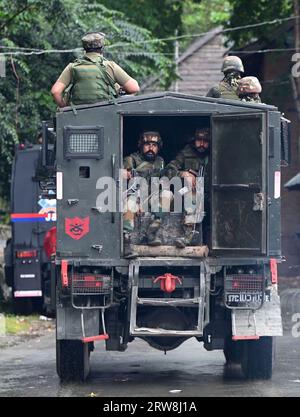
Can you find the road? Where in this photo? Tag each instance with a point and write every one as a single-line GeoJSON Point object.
{"type": "Point", "coordinates": [28, 369]}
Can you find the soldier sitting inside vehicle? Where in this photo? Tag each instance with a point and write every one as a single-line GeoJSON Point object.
{"type": "Point", "coordinates": [191, 161]}
{"type": "Point", "coordinates": [249, 89]}
{"type": "Point", "coordinates": [146, 163]}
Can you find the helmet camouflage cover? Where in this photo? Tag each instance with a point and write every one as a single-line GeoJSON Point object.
{"type": "Point", "coordinates": [232, 63]}
{"type": "Point", "coordinates": [249, 85]}
{"type": "Point", "coordinates": [201, 133]}
{"type": "Point", "coordinates": [150, 137]}
{"type": "Point", "coordinates": [93, 40]}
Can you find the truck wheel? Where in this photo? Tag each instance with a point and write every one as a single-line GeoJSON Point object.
{"type": "Point", "coordinates": [72, 360]}
{"type": "Point", "coordinates": [233, 351]}
{"type": "Point", "coordinates": [23, 306]}
{"type": "Point", "coordinates": [258, 358]}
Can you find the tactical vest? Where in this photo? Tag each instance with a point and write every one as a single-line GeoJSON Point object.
{"type": "Point", "coordinates": [193, 161]}
{"type": "Point", "coordinates": [90, 82]}
{"type": "Point", "coordinates": [227, 92]}
{"type": "Point", "coordinates": [145, 168]}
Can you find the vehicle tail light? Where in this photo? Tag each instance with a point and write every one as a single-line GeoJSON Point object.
{"type": "Point", "coordinates": [245, 282]}
{"type": "Point", "coordinates": [273, 268]}
{"type": "Point", "coordinates": [26, 253]}
{"type": "Point", "coordinates": [91, 283]}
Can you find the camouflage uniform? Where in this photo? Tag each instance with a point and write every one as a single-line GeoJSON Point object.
{"type": "Point", "coordinates": [190, 159]}
{"type": "Point", "coordinates": [146, 169]}
{"type": "Point", "coordinates": [224, 90]}
{"type": "Point", "coordinates": [92, 77]}
{"type": "Point", "coordinates": [232, 68]}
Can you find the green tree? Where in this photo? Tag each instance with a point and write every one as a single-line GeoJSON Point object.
{"type": "Point", "coordinates": [200, 17]}
{"type": "Point", "coordinates": [247, 12]}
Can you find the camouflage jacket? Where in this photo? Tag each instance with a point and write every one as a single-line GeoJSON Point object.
{"type": "Point", "coordinates": [224, 90]}
{"type": "Point", "coordinates": [144, 168]}
{"type": "Point", "coordinates": [189, 158]}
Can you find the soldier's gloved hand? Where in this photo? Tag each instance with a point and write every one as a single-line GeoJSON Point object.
{"type": "Point", "coordinates": [189, 178]}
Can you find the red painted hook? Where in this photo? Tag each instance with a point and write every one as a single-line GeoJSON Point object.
{"type": "Point", "coordinates": [168, 282]}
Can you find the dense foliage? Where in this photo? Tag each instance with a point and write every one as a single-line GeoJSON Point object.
{"type": "Point", "coordinates": [247, 12]}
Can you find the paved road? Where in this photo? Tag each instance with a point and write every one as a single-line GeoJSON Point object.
{"type": "Point", "coordinates": [28, 369]}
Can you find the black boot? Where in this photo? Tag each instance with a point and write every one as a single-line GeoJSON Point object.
{"type": "Point", "coordinates": [152, 238]}
{"type": "Point", "coordinates": [187, 239]}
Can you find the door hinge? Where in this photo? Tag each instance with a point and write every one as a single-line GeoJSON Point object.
{"type": "Point", "coordinates": [98, 248]}
{"type": "Point", "coordinates": [72, 201]}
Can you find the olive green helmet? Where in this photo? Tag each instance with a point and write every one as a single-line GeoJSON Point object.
{"type": "Point", "coordinates": [249, 85]}
{"type": "Point", "coordinates": [93, 40]}
{"type": "Point", "coordinates": [232, 63]}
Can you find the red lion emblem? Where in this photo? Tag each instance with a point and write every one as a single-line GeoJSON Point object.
{"type": "Point", "coordinates": [76, 228]}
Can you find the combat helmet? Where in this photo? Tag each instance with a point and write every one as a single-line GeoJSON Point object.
{"type": "Point", "coordinates": [200, 133]}
{"type": "Point", "coordinates": [148, 137]}
{"type": "Point", "coordinates": [93, 40]}
{"type": "Point", "coordinates": [249, 85]}
{"type": "Point", "coordinates": [232, 63]}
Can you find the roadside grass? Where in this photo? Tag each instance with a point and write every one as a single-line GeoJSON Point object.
{"type": "Point", "coordinates": [15, 325]}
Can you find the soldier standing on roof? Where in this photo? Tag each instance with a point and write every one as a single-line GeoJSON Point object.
{"type": "Point", "coordinates": [249, 89]}
{"type": "Point", "coordinates": [232, 68]}
{"type": "Point", "coordinates": [91, 78]}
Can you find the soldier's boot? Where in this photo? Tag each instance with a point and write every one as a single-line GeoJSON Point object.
{"type": "Point", "coordinates": [128, 247]}
{"type": "Point", "coordinates": [187, 239]}
{"type": "Point", "coordinates": [152, 238]}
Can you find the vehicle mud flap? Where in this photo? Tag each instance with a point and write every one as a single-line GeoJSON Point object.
{"type": "Point", "coordinates": [72, 360]}
{"type": "Point", "coordinates": [265, 321]}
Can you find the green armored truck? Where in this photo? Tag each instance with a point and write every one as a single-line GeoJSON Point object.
{"type": "Point", "coordinates": [221, 288]}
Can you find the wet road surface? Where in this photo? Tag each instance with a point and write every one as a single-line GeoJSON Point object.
{"type": "Point", "coordinates": [28, 369]}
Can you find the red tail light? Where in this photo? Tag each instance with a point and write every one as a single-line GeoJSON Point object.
{"type": "Point", "coordinates": [91, 281]}
{"type": "Point", "coordinates": [273, 268]}
{"type": "Point", "coordinates": [26, 254]}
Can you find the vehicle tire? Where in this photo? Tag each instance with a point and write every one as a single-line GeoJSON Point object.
{"type": "Point", "coordinates": [72, 360]}
{"type": "Point", "coordinates": [23, 306]}
{"type": "Point", "coordinates": [233, 351]}
{"type": "Point", "coordinates": [258, 358]}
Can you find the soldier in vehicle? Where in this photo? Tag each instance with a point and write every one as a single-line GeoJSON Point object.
{"type": "Point", "coordinates": [92, 77]}
{"type": "Point", "coordinates": [189, 162]}
{"type": "Point", "coordinates": [249, 89]}
{"type": "Point", "coordinates": [233, 69]}
{"type": "Point", "coordinates": [146, 163]}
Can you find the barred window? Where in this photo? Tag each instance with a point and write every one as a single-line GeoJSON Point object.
{"type": "Point", "coordinates": [83, 142]}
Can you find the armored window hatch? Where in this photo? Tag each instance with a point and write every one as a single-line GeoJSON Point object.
{"type": "Point", "coordinates": [83, 142]}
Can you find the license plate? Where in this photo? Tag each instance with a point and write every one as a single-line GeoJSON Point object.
{"type": "Point", "coordinates": [246, 297]}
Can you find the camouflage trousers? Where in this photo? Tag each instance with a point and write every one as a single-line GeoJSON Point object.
{"type": "Point", "coordinates": [134, 207]}
{"type": "Point", "coordinates": [193, 213]}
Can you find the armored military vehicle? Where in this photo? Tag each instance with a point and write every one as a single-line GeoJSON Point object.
{"type": "Point", "coordinates": [27, 265]}
{"type": "Point", "coordinates": [223, 291]}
